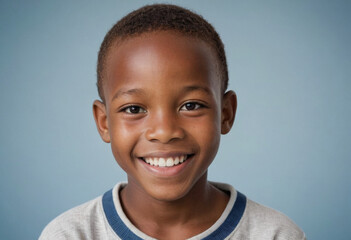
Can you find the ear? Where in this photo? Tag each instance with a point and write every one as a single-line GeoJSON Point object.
{"type": "Point", "coordinates": [99, 111]}
{"type": "Point", "coordinates": [229, 105]}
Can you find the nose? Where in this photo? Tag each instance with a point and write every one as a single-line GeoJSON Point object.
{"type": "Point", "coordinates": [164, 127]}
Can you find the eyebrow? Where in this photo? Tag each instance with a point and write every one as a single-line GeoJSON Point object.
{"type": "Point", "coordinates": [123, 92]}
{"type": "Point", "coordinates": [197, 88]}
{"type": "Point", "coordinates": [140, 91]}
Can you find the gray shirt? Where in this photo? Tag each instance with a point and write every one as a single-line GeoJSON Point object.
{"type": "Point", "coordinates": [103, 218]}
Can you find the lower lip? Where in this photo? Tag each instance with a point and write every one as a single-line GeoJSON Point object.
{"type": "Point", "coordinates": [167, 171]}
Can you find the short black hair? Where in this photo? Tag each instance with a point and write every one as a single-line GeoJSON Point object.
{"type": "Point", "coordinates": [162, 17]}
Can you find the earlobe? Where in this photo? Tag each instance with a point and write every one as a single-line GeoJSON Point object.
{"type": "Point", "coordinates": [100, 116]}
{"type": "Point", "coordinates": [229, 105]}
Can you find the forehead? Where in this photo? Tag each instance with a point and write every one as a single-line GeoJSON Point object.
{"type": "Point", "coordinates": [161, 54]}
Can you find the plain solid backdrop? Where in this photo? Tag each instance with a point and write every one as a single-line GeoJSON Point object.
{"type": "Point", "coordinates": [289, 63]}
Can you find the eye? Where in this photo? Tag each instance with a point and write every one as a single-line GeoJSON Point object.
{"type": "Point", "coordinates": [190, 106]}
{"type": "Point", "coordinates": [133, 109]}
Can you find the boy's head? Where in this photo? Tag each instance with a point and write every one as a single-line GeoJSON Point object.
{"type": "Point", "coordinates": [162, 83]}
{"type": "Point", "coordinates": [162, 17]}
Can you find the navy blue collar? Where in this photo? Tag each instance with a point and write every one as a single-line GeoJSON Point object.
{"type": "Point", "coordinates": [123, 232]}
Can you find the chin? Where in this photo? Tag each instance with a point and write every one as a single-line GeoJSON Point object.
{"type": "Point", "coordinates": [168, 193]}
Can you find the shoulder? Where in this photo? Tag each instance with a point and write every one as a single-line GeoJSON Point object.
{"type": "Point", "coordinates": [76, 223]}
{"type": "Point", "coordinates": [255, 221]}
{"type": "Point", "coordinates": [261, 222]}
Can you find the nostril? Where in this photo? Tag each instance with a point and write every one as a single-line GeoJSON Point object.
{"type": "Point", "coordinates": [164, 133]}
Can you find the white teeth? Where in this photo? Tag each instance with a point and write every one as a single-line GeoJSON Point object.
{"type": "Point", "coordinates": [165, 162]}
{"type": "Point", "coordinates": [169, 162]}
{"type": "Point", "coordinates": [161, 162]}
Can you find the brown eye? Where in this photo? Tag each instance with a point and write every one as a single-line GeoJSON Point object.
{"type": "Point", "coordinates": [134, 110]}
{"type": "Point", "coordinates": [190, 106]}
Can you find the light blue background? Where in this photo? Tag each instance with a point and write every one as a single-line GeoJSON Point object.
{"type": "Point", "coordinates": [289, 62]}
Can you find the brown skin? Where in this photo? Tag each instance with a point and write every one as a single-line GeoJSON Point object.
{"type": "Point", "coordinates": [163, 98]}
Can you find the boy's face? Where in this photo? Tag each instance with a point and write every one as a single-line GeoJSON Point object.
{"type": "Point", "coordinates": [163, 104]}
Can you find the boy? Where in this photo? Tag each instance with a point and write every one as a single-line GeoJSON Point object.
{"type": "Point", "coordinates": [162, 79]}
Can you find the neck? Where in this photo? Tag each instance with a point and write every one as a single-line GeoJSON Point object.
{"type": "Point", "coordinates": [201, 207]}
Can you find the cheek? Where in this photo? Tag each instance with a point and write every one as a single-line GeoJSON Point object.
{"type": "Point", "coordinates": [210, 141]}
{"type": "Point", "coordinates": [213, 134]}
{"type": "Point", "coordinates": [207, 131]}
{"type": "Point", "coordinates": [124, 137]}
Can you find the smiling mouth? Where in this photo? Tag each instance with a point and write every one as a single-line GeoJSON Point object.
{"type": "Point", "coordinates": [166, 161]}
